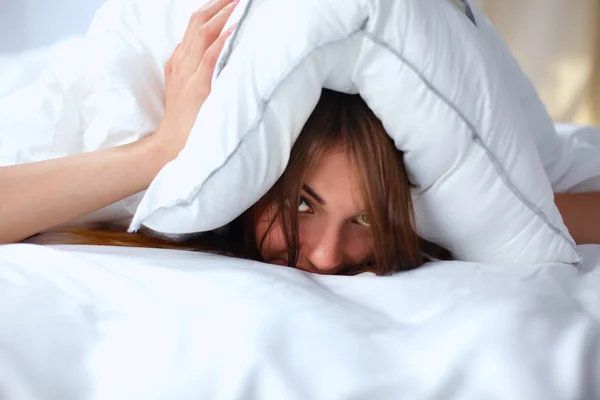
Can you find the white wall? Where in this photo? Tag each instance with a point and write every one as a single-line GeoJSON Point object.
{"type": "Point", "coordinates": [27, 24]}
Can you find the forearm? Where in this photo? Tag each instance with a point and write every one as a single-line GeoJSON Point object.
{"type": "Point", "coordinates": [41, 195]}
{"type": "Point", "coordinates": [581, 214]}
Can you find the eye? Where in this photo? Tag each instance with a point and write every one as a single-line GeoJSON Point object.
{"type": "Point", "coordinates": [363, 220]}
{"type": "Point", "coordinates": [304, 205]}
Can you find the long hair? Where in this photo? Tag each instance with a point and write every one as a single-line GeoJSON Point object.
{"type": "Point", "coordinates": [339, 121]}
{"type": "Point", "coordinates": [342, 121]}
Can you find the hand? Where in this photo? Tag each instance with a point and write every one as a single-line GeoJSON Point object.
{"type": "Point", "coordinates": [189, 72]}
{"type": "Point", "coordinates": [30, 201]}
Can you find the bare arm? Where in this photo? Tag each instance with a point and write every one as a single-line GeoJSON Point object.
{"type": "Point", "coordinates": [41, 195]}
{"type": "Point", "coordinates": [581, 214]}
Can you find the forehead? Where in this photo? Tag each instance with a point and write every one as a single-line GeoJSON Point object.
{"type": "Point", "coordinates": [335, 178]}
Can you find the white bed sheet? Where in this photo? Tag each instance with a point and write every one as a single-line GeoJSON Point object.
{"type": "Point", "coordinates": [117, 323]}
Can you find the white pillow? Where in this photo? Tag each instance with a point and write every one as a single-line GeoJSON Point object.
{"type": "Point", "coordinates": [427, 72]}
{"type": "Point", "coordinates": [555, 156]}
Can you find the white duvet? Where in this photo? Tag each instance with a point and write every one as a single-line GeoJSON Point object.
{"type": "Point", "coordinates": [108, 323]}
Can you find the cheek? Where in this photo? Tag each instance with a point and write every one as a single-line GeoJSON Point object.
{"type": "Point", "coordinates": [355, 241]}
{"type": "Point", "coordinates": [358, 245]}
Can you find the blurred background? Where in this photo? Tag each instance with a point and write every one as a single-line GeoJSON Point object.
{"type": "Point", "coordinates": [29, 24]}
{"type": "Point", "coordinates": [557, 42]}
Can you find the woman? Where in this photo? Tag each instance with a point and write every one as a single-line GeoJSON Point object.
{"type": "Point", "coordinates": [314, 218]}
{"type": "Point", "coordinates": [342, 205]}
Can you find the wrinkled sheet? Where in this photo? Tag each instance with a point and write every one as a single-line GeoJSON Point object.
{"type": "Point", "coordinates": [110, 323]}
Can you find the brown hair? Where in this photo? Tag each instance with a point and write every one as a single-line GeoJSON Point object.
{"type": "Point", "coordinates": [345, 121]}
{"type": "Point", "coordinates": [339, 121]}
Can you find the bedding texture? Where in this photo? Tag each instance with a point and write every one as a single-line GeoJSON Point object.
{"type": "Point", "coordinates": [446, 88]}
{"type": "Point", "coordinates": [94, 323]}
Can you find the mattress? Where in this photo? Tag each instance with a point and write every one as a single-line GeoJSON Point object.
{"type": "Point", "coordinates": [85, 322]}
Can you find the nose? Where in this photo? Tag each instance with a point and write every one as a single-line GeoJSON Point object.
{"type": "Point", "coordinates": [324, 251]}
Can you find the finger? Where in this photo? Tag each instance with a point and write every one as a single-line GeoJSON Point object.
{"type": "Point", "coordinates": [211, 30]}
{"type": "Point", "coordinates": [211, 56]}
{"type": "Point", "coordinates": [206, 36]}
{"type": "Point", "coordinates": [211, 9]}
{"type": "Point", "coordinates": [199, 38]}
{"type": "Point", "coordinates": [204, 15]}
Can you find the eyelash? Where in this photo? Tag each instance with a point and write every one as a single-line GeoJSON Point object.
{"type": "Point", "coordinates": [304, 200]}
{"type": "Point", "coordinates": [365, 224]}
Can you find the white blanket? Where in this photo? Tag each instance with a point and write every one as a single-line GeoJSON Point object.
{"type": "Point", "coordinates": [108, 323]}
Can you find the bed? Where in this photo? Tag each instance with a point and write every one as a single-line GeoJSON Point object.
{"type": "Point", "coordinates": [85, 322]}
{"type": "Point", "coordinates": [81, 322]}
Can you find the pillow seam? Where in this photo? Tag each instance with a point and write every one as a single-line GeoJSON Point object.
{"type": "Point", "coordinates": [477, 140]}
{"type": "Point", "coordinates": [263, 103]}
{"type": "Point", "coordinates": [229, 50]}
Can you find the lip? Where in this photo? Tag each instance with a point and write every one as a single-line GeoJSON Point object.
{"type": "Point", "coordinates": [279, 261]}
{"type": "Point", "coordinates": [284, 263]}
{"type": "Point", "coordinates": [306, 269]}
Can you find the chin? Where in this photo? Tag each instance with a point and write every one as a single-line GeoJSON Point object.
{"type": "Point", "coordinates": [279, 261]}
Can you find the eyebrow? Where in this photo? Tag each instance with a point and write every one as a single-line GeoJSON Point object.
{"type": "Point", "coordinates": [312, 193]}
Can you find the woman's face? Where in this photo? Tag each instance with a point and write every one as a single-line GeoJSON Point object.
{"type": "Point", "coordinates": [333, 228]}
